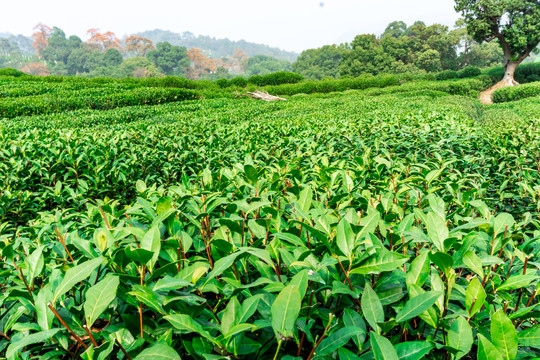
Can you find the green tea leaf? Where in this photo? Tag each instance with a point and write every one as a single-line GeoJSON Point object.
{"type": "Point", "coordinates": [486, 350]}
{"type": "Point", "coordinates": [530, 337]}
{"type": "Point", "coordinates": [473, 262]}
{"type": "Point", "coordinates": [221, 265]}
{"type": "Point", "coordinates": [304, 201]}
{"type": "Point", "coordinates": [337, 340]}
{"type": "Point", "coordinates": [231, 315]}
{"type": "Point", "coordinates": [417, 305]}
{"type": "Point", "coordinates": [345, 238]}
{"type": "Point", "coordinates": [75, 275]}
{"type": "Point", "coordinates": [352, 319]}
{"type": "Point", "coordinates": [419, 270]}
{"type": "Point", "coordinates": [158, 351]}
{"type": "Point", "coordinates": [382, 347]}
{"type": "Point", "coordinates": [460, 337]}
{"type": "Point", "coordinates": [501, 221]}
{"type": "Point", "coordinates": [443, 261]}
{"type": "Point", "coordinates": [35, 263]}
{"type": "Point", "coordinates": [387, 261]}
{"type": "Point", "coordinates": [437, 230]}
{"type": "Point", "coordinates": [517, 282]}
{"type": "Point", "coordinates": [285, 311]}
{"type": "Point", "coordinates": [474, 296]}
{"type": "Point", "coordinates": [99, 297]}
{"type": "Point", "coordinates": [344, 354]}
{"type": "Point", "coordinates": [413, 350]}
{"type": "Point", "coordinates": [372, 307]}
{"type": "Point", "coordinates": [39, 337]}
{"type": "Point", "coordinates": [504, 335]}
{"type": "Point", "coordinates": [369, 223]}
{"type": "Point", "coordinates": [186, 323]}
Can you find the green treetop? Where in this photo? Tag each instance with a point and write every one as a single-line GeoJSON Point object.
{"type": "Point", "coordinates": [515, 23]}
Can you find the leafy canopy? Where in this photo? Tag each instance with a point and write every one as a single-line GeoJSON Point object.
{"type": "Point", "coordinates": [515, 23]}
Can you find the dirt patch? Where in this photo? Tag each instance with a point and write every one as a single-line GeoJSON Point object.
{"type": "Point", "coordinates": [486, 96]}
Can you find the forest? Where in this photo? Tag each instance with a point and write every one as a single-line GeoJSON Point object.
{"type": "Point", "coordinates": [414, 49]}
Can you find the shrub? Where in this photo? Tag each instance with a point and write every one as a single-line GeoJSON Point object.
{"type": "Point", "coordinates": [223, 83]}
{"type": "Point", "coordinates": [333, 85]}
{"type": "Point", "coordinates": [446, 75]}
{"type": "Point", "coordinates": [256, 80]}
{"type": "Point", "coordinates": [277, 78]}
{"type": "Point", "coordinates": [239, 81]}
{"type": "Point", "coordinates": [469, 71]}
{"type": "Point", "coordinates": [93, 98]}
{"type": "Point", "coordinates": [513, 93]}
{"type": "Point", "coordinates": [11, 72]}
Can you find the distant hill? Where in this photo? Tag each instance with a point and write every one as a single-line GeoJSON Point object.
{"type": "Point", "coordinates": [216, 48]}
{"type": "Point", "coordinates": [23, 42]}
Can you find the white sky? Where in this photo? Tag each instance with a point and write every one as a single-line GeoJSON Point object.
{"type": "Point", "coordinates": [288, 24]}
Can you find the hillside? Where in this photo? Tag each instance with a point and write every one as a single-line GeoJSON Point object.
{"type": "Point", "coordinates": [24, 43]}
{"type": "Point", "coordinates": [216, 48]}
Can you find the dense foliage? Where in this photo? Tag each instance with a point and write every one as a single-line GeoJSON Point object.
{"type": "Point", "coordinates": [514, 24]}
{"type": "Point", "coordinates": [517, 92]}
{"type": "Point", "coordinates": [400, 49]}
{"type": "Point", "coordinates": [395, 222]}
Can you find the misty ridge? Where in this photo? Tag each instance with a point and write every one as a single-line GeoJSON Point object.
{"type": "Point", "coordinates": [210, 45]}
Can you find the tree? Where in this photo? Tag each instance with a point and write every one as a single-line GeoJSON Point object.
{"type": "Point", "coordinates": [112, 57]}
{"type": "Point", "coordinates": [201, 64]}
{"type": "Point", "coordinates": [138, 45]}
{"type": "Point", "coordinates": [37, 69]}
{"type": "Point", "coordinates": [59, 48]}
{"type": "Point", "coordinates": [514, 23]}
{"type": "Point", "coordinates": [139, 67]}
{"type": "Point", "coordinates": [169, 59]}
{"type": "Point", "coordinates": [103, 41]}
{"type": "Point", "coordinates": [84, 60]}
{"type": "Point", "coordinates": [41, 37]}
{"type": "Point", "coordinates": [367, 56]}
{"type": "Point", "coordinates": [263, 64]}
{"type": "Point", "coordinates": [322, 62]}
{"type": "Point", "coordinates": [7, 48]}
{"type": "Point", "coordinates": [239, 61]}
{"type": "Point", "coordinates": [395, 29]}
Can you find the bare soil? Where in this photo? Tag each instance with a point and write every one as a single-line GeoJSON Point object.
{"type": "Point", "coordinates": [486, 96]}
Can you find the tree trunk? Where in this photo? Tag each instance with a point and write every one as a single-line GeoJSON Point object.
{"type": "Point", "coordinates": [509, 71]}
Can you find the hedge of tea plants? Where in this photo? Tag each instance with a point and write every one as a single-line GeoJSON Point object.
{"type": "Point", "coordinates": [368, 224]}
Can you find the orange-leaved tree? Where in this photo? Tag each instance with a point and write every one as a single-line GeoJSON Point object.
{"type": "Point", "coordinates": [239, 61]}
{"type": "Point", "coordinates": [41, 37]}
{"type": "Point", "coordinates": [138, 45]}
{"type": "Point", "coordinates": [35, 68]}
{"type": "Point", "coordinates": [201, 64]}
{"type": "Point", "coordinates": [103, 41]}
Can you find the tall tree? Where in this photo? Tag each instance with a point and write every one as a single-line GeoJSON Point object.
{"type": "Point", "coordinates": [395, 29]}
{"type": "Point", "coordinates": [239, 61]}
{"type": "Point", "coordinates": [35, 68]}
{"type": "Point", "coordinates": [515, 23]}
{"type": "Point", "coordinates": [138, 45]}
{"type": "Point", "coordinates": [201, 64]}
{"type": "Point", "coordinates": [322, 62]}
{"type": "Point", "coordinates": [41, 37]}
{"type": "Point", "coordinates": [59, 48]}
{"type": "Point", "coordinates": [169, 59]}
{"type": "Point", "coordinates": [103, 41]}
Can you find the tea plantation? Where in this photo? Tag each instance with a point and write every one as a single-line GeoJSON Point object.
{"type": "Point", "coordinates": [370, 218]}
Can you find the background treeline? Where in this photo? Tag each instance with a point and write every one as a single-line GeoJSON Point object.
{"type": "Point", "coordinates": [401, 49]}
{"type": "Point", "coordinates": [415, 49]}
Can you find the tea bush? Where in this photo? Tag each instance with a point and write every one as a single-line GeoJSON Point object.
{"type": "Point", "coordinates": [513, 93]}
{"type": "Point", "coordinates": [383, 223]}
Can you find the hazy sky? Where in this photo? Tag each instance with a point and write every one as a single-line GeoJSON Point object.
{"type": "Point", "coordinates": [289, 24]}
